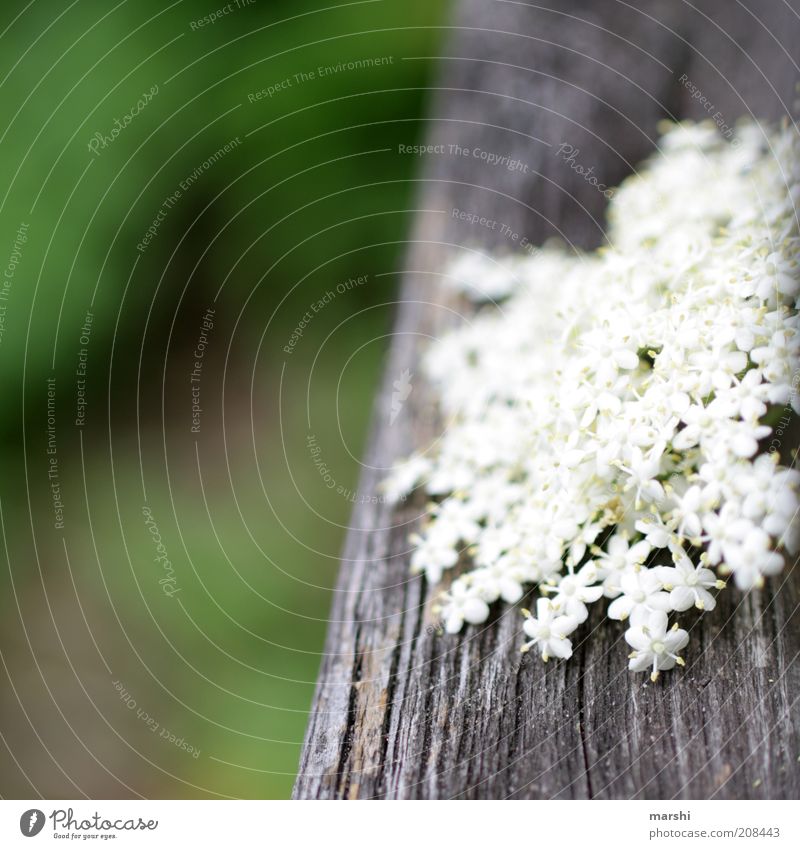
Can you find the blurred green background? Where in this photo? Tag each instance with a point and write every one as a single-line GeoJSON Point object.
{"type": "Point", "coordinates": [190, 675]}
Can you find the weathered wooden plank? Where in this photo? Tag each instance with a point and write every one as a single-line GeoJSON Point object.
{"type": "Point", "coordinates": [401, 712]}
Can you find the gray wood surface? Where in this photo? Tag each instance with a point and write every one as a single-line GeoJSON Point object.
{"type": "Point", "coordinates": [402, 712]}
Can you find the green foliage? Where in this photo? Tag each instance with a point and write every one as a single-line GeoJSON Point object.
{"type": "Point", "coordinates": [313, 193]}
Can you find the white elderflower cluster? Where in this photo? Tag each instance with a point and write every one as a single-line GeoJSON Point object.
{"type": "Point", "coordinates": [621, 410]}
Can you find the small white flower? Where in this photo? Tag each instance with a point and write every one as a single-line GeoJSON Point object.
{"type": "Point", "coordinates": [643, 470]}
{"type": "Point", "coordinates": [458, 516]}
{"type": "Point", "coordinates": [654, 647]}
{"type": "Point", "coordinates": [494, 542]}
{"type": "Point", "coordinates": [500, 580]}
{"type": "Point", "coordinates": [434, 552]}
{"type": "Point", "coordinates": [405, 476]}
{"type": "Point", "coordinates": [618, 559]}
{"type": "Point", "coordinates": [461, 604]}
{"type": "Point", "coordinates": [573, 592]}
{"type": "Point", "coordinates": [657, 533]}
{"type": "Point", "coordinates": [481, 278]}
{"type": "Point", "coordinates": [779, 275]}
{"type": "Point", "coordinates": [752, 559]}
{"type": "Point", "coordinates": [695, 503]}
{"type": "Point", "coordinates": [698, 420]}
{"type": "Point", "coordinates": [689, 585]}
{"type": "Point", "coordinates": [642, 593]}
{"type": "Point", "coordinates": [726, 530]}
{"type": "Point", "coordinates": [644, 381]}
{"type": "Point", "coordinates": [548, 631]}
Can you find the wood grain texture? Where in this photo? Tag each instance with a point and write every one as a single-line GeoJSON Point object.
{"type": "Point", "coordinates": [402, 712]}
